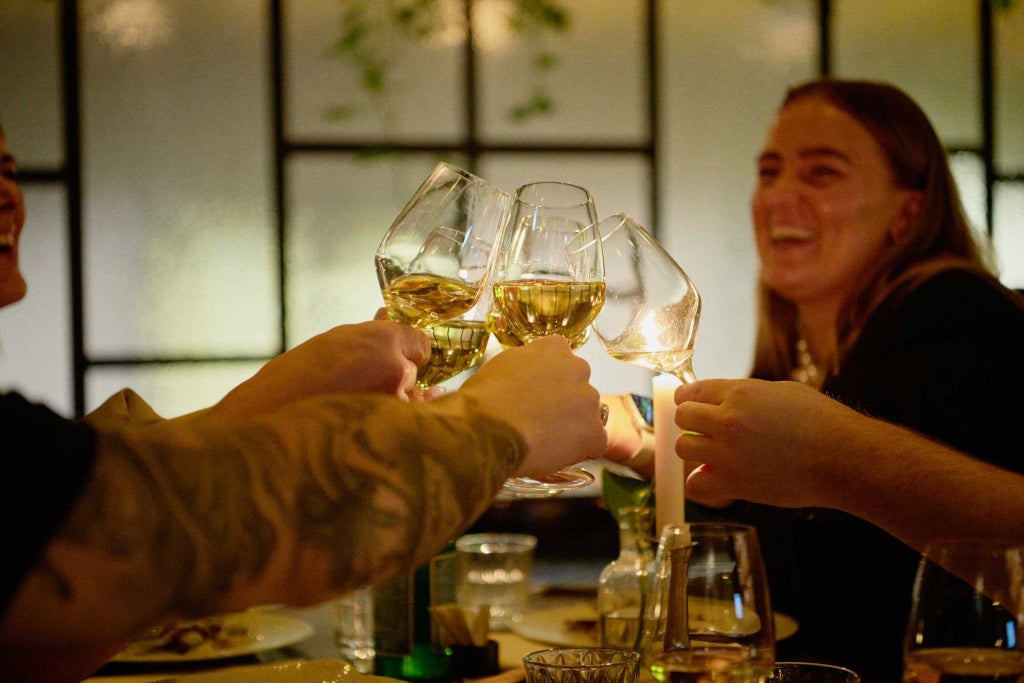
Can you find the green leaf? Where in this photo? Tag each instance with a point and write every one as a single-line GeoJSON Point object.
{"type": "Point", "coordinates": [622, 490]}
{"type": "Point", "coordinates": [340, 112]}
{"type": "Point", "coordinates": [373, 78]}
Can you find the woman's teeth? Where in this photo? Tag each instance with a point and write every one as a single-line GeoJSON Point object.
{"type": "Point", "coordinates": [781, 234]}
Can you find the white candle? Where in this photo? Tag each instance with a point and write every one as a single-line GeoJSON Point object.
{"type": "Point", "coordinates": [668, 467]}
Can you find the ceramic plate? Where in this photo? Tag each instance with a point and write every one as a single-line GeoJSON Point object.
{"type": "Point", "coordinates": [316, 670]}
{"type": "Point", "coordinates": [576, 626]}
{"type": "Point", "coordinates": [259, 631]}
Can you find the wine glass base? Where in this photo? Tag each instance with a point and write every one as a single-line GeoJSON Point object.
{"type": "Point", "coordinates": [552, 484]}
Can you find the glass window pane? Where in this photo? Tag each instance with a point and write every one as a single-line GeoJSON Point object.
{"type": "Point", "coordinates": [35, 337]}
{"type": "Point", "coordinates": [1009, 85]}
{"type": "Point", "coordinates": [1009, 233]}
{"type": "Point", "coordinates": [30, 84]}
{"type": "Point", "coordinates": [179, 242]}
{"type": "Point", "coordinates": [171, 390]}
{"type": "Point", "coordinates": [354, 71]}
{"type": "Point", "coordinates": [340, 207]}
{"type": "Point", "coordinates": [929, 49]}
{"type": "Point", "coordinates": [586, 82]}
{"type": "Point", "coordinates": [726, 66]}
{"type": "Point", "coordinates": [969, 173]}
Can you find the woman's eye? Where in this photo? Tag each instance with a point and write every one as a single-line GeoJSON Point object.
{"type": "Point", "coordinates": [765, 173]}
{"type": "Point", "coordinates": [823, 172]}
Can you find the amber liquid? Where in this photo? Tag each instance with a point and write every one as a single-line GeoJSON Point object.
{"type": "Point", "coordinates": [526, 309]}
{"type": "Point", "coordinates": [963, 665]}
{"type": "Point", "coordinates": [661, 361]}
{"type": "Point", "coordinates": [427, 300]}
{"type": "Point", "coordinates": [455, 347]}
{"type": "Point", "coordinates": [710, 665]}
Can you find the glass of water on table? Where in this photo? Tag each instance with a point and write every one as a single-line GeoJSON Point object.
{"type": "Point", "coordinates": [494, 572]}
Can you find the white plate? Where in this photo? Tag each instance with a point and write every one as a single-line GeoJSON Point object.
{"type": "Point", "coordinates": [553, 626]}
{"type": "Point", "coordinates": [313, 671]}
{"type": "Point", "coordinates": [265, 631]}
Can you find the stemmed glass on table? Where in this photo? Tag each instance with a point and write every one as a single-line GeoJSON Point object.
{"type": "Point", "coordinates": [709, 617]}
{"type": "Point", "coordinates": [966, 614]}
{"type": "Point", "coordinates": [548, 279]}
{"type": "Point", "coordinates": [433, 263]}
{"type": "Point", "coordinates": [651, 307]}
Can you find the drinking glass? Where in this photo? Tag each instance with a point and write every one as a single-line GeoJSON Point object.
{"type": "Point", "coordinates": [582, 665]}
{"type": "Point", "coordinates": [709, 616]}
{"type": "Point", "coordinates": [433, 260]}
{"type": "Point", "coordinates": [651, 307]}
{"type": "Point", "coordinates": [548, 279]}
{"type": "Point", "coordinates": [965, 619]}
{"type": "Point", "coordinates": [456, 345]}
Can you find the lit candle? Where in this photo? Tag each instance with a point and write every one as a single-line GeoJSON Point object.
{"type": "Point", "coordinates": [668, 467]}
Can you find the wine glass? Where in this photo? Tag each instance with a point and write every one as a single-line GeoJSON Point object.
{"type": "Point", "coordinates": [433, 260]}
{"type": "Point", "coordinates": [709, 616]}
{"type": "Point", "coordinates": [456, 345]}
{"type": "Point", "coordinates": [548, 279]}
{"type": "Point", "coordinates": [651, 307]}
{"type": "Point", "coordinates": [965, 618]}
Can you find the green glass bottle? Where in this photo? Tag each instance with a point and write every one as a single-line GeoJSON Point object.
{"type": "Point", "coordinates": [403, 629]}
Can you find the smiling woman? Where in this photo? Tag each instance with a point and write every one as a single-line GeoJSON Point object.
{"type": "Point", "coordinates": [872, 289]}
{"type": "Point", "coordinates": [12, 220]}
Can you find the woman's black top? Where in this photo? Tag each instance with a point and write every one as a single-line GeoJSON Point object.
{"type": "Point", "coordinates": [48, 460]}
{"type": "Point", "coordinates": [945, 359]}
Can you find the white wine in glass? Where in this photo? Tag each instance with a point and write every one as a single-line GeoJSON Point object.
{"type": "Point", "coordinates": [548, 279]}
{"type": "Point", "coordinates": [435, 257]}
{"type": "Point", "coordinates": [456, 345]}
{"type": "Point", "coordinates": [651, 308]}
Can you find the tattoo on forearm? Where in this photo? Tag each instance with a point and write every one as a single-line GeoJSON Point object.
{"type": "Point", "coordinates": [365, 488]}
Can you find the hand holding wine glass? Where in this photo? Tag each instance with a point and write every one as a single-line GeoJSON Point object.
{"type": "Point", "coordinates": [549, 279]}
{"type": "Point", "coordinates": [651, 308]}
{"type": "Point", "coordinates": [435, 257]}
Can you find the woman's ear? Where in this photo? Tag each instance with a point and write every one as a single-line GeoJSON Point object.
{"type": "Point", "coordinates": [907, 218]}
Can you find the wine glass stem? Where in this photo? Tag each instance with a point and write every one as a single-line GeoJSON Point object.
{"type": "Point", "coordinates": [684, 373]}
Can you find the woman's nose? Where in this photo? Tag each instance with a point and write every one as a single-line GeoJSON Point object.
{"type": "Point", "coordinates": [783, 188]}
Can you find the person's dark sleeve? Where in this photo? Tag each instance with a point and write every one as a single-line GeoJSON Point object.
{"type": "Point", "coordinates": [48, 459]}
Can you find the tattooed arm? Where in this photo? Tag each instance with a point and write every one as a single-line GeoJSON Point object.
{"type": "Point", "coordinates": [295, 506]}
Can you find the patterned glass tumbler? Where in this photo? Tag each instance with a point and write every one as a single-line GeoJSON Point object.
{"type": "Point", "coordinates": [582, 665]}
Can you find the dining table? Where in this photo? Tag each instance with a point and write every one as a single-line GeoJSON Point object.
{"type": "Point", "coordinates": [561, 611]}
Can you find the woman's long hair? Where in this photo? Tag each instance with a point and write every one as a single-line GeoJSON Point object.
{"type": "Point", "coordinates": [941, 237]}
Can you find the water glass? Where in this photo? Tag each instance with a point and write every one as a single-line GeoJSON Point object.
{"type": "Point", "coordinates": [353, 629]}
{"type": "Point", "coordinates": [582, 665]}
{"type": "Point", "coordinates": [494, 571]}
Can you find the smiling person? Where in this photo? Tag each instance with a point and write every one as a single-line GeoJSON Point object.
{"type": "Point", "coordinates": [874, 291]}
{"type": "Point", "coordinates": [322, 473]}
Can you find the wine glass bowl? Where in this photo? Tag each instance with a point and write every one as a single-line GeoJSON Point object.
{"type": "Point", "coordinates": [651, 308]}
{"type": "Point", "coordinates": [456, 345]}
{"type": "Point", "coordinates": [433, 261]}
{"type": "Point", "coordinates": [966, 613]}
{"type": "Point", "coordinates": [548, 279]}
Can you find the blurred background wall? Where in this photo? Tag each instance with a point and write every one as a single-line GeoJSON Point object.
{"type": "Point", "coordinates": [207, 181]}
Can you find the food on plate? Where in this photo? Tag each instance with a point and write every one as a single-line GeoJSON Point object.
{"type": "Point", "coordinates": [187, 637]}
